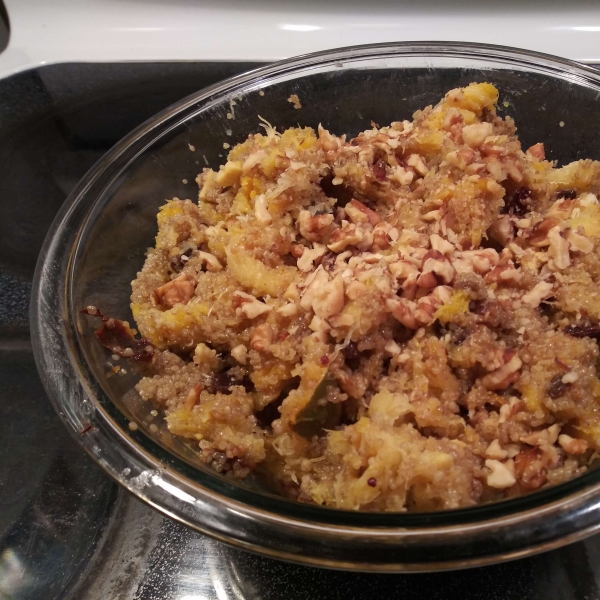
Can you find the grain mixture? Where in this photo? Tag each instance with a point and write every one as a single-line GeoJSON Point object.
{"type": "Point", "coordinates": [406, 320]}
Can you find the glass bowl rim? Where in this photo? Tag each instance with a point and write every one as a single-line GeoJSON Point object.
{"type": "Point", "coordinates": [580, 495]}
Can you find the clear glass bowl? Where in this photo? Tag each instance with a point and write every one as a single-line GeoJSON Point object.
{"type": "Point", "coordinates": [97, 243]}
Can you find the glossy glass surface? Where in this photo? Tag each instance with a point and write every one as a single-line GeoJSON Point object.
{"type": "Point", "coordinates": [96, 245]}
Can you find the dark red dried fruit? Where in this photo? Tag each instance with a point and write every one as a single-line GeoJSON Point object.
{"type": "Point", "coordinates": [379, 170]}
{"type": "Point", "coordinates": [324, 360]}
{"type": "Point", "coordinates": [351, 351]}
{"type": "Point", "coordinates": [557, 387]}
{"type": "Point", "coordinates": [223, 382]}
{"type": "Point", "coordinates": [581, 331]}
{"type": "Point", "coordinates": [178, 262]}
{"type": "Point", "coordinates": [567, 194]}
{"type": "Point", "coordinates": [518, 203]}
{"type": "Point", "coordinates": [118, 338]}
{"type": "Point", "coordinates": [372, 481]}
{"type": "Point", "coordinates": [477, 307]}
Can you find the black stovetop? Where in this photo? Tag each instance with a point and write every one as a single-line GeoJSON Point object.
{"type": "Point", "coordinates": [66, 530]}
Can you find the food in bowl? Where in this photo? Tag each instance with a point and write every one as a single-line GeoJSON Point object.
{"type": "Point", "coordinates": [402, 321]}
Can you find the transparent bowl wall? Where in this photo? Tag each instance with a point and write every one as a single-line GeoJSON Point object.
{"type": "Point", "coordinates": [97, 245]}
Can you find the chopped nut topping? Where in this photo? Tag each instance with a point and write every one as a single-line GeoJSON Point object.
{"type": "Point", "coordinates": [178, 291]}
{"type": "Point", "coordinates": [500, 476]}
{"type": "Point", "coordinates": [262, 338]}
{"type": "Point", "coordinates": [249, 306]}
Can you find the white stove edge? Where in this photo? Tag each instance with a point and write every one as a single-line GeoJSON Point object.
{"type": "Point", "coordinates": [44, 32]}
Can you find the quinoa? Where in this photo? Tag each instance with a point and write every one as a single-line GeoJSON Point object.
{"type": "Point", "coordinates": [403, 321]}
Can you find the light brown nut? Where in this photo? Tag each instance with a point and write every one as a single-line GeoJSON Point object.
{"type": "Point", "coordinates": [261, 212]}
{"type": "Point", "coordinates": [292, 293]}
{"type": "Point", "coordinates": [502, 230]}
{"type": "Point", "coordinates": [315, 281]}
{"type": "Point", "coordinates": [514, 170]}
{"type": "Point", "coordinates": [544, 437]}
{"type": "Point", "coordinates": [403, 310]}
{"type": "Point", "coordinates": [309, 256]}
{"type": "Point", "coordinates": [561, 209]}
{"type": "Point", "coordinates": [262, 338]}
{"type": "Point", "coordinates": [474, 135]}
{"type": "Point", "coordinates": [530, 469]}
{"type": "Point", "coordinates": [439, 244]}
{"type": "Point", "coordinates": [437, 269]}
{"type": "Point", "coordinates": [355, 289]}
{"type": "Point", "coordinates": [482, 260]}
{"type": "Point", "coordinates": [313, 228]}
{"type": "Point", "coordinates": [349, 235]}
{"type": "Point", "coordinates": [500, 476]}
{"type": "Point", "coordinates": [193, 396]}
{"type": "Point", "coordinates": [418, 164]}
{"type": "Point", "coordinates": [240, 353]}
{"type": "Point", "coordinates": [401, 175]}
{"type": "Point", "coordinates": [578, 242]}
{"type": "Point", "coordinates": [507, 374]}
{"type": "Point", "coordinates": [248, 306]}
{"type": "Point", "coordinates": [540, 291]}
{"type": "Point", "coordinates": [178, 291]}
{"type": "Point", "coordinates": [328, 299]}
{"type": "Point", "coordinates": [359, 213]}
{"type": "Point", "coordinates": [538, 235]}
{"type": "Point", "coordinates": [495, 451]}
{"type": "Point", "coordinates": [402, 269]}
{"type": "Point", "coordinates": [381, 235]}
{"type": "Point", "coordinates": [288, 310]}
{"type": "Point", "coordinates": [537, 151]}
{"type": "Point", "coordinates": [329, 142]}
{"type": "Point", "coordinates": [319, 325]}
{"type": "Point", "coordinates": [504, 274]}
{"type": "Point", "coordinates": [495, 168]}
{"type": "Point", "coordinates": [572, 445]}
{"type": "Point", "coordinates": [559, 248]}
{"type": "Point", "coordinates": [212, 262]}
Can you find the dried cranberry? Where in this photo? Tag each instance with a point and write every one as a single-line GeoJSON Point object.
{"type": "Point", "coordinates": [351, 351]}
{"type": "Point", "coordinates": [324, 360]}
{"type": "Point", "coordinates": [557, 387]}
{"type": "Point", "coordinates": [567, 194]}
{"type": "Point", "coordinates": [581, 331]}
{"type": "Point", "coordinates": [118, 338]}
{"type": "Point", "coordinates": [379, 170]}
{"type": "Point", "coordinates": [518, 204]}
{"type": "Point", "coordinates": [477, 307]}
{"type": "Point", "coordinates": [372, 481]}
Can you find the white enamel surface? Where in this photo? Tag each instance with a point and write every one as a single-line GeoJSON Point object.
{"type": "Point", "coordinates": [50, 31]}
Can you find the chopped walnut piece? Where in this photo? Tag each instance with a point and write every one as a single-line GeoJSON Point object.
{"type": "Point", "coordinates": [404, 311]}
{"type": "Point", "coordinates": [212, 262]}
{"type": "Point", "coordinates": [507, 374]}
{"type": "Point", "coordinates": [355, 289]}
{"type": "Point", "coordinates": [540, 291]}
{"type": "Point", "coordinates": [495, 451]}
{"type": "Point", "coordinates": [418, 164]}
{"type": "Point", "coordinates": [474, 135]}
{"type": "Point", "coordinates": [306, 261]}
{"type": "Point", "coordinates": [538, 236]}
{"type": "Point", "coordinates": [437, 269]}
{"type": "Point", "coordinates": [537, 151]}
{"type": "Point", "coordinates": [439, 244]}
{"type": "Point", "coordinates": [249, 306]}
{"type": "Point", "coordinates": [288, 310]}
{"type": "Point", "coordinates": [193, 396]}
{"type": "Point", "coordinates": [328, 300]}
{"type": "Point", "coordinates": [500, 476]}
{"type": "Point", "coordinates": [240, 353]}
{"type": "Point", "coordinates": [381, 235]}
{"type": "Point", "coordinates": [561, 209]}
{"type": "Point", "coordinates": [572, 445]}
{"type": "Point", "coordinates": [349, 235]}
{"type": "Point", "coordinates": [262, 338]}
{"type": "Point", "coordinates": [481, 261]}
{"type": "Point", "coordinates": [178, 291]}
{"type": "Point", "coordinates": [545, 437]}
{"type": "Point", "coordinates": [359, 213]}
{"type": "Point", "coordinates": [262, 214]}
{"type": "Point", "coordinates": [314, 228]}
{"type": "Point", "coordinates": [502, 230]}
{"type": "Point", "coordinates": [579, 243]}
{"type": "Point", "coordinates": [559, 248]}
